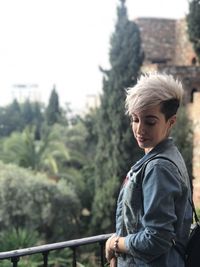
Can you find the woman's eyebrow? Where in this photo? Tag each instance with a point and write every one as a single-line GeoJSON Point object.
{"type": "Point", "coordinates": [151, 117]}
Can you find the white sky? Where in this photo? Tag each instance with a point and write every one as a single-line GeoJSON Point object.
{"type": "Point", "coordinates": [62, 42]}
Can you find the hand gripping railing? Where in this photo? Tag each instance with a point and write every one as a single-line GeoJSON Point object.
{"type": "Point", "coordinates": [15, 255]}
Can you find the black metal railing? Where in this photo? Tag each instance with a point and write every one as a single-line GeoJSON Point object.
{"type": "Point", "coordinates": [16, 255]}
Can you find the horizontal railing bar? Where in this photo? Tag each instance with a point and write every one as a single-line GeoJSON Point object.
{"type": "Point", "coordinates": [54, 246]}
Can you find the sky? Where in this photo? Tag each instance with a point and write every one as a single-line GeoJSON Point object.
{"type": "Point", "coordinates": [62, 43]}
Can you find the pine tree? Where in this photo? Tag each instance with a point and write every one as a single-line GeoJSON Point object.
{"type": "Point", "coordinates": [53, 112]}
{"type": "Point", "coordinates": [116, 149]}
{"type": "Point", "coordinates": [193, 20]}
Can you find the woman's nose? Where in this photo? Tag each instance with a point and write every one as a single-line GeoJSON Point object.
{"type": "Point", "coordinates": [140, 128]}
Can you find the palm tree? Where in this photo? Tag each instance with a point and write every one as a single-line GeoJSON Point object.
{"type": "Point", "coordinates": [39, 155]}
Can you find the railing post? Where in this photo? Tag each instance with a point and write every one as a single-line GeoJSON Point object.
{"type": "Point", "coordinates": [102, 247]}
{"type": "Point", "coordinates": [45, 258]}
{"type": "Point", "coordinates": [15, 260]}
{"type": "Point", "coordinates": [74, 257]}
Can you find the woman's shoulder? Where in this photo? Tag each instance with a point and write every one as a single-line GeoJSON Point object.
{"type": "Point", "coordinates": [162, 164]}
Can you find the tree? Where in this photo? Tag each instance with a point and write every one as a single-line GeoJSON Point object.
{"type": "Point", "coordinates": [46, 154]}
{"type": "Point", "coordinates": [116, 149]}
{"type": "Point", "coordinates": [79, 170]}
{"type": "Point", "coordinates": [27, 112]}
{"type": "Point", "coordinates": [183, 137]}
{"type": "Point", "coordinates": [193, 21]}
{"type": "Point", "coordinates": [53, 110]}
{"type": "Point", "coordinates": [10, 119]}
{"type": "Point", "coordinates": [38, 119]}
{"type": "Point", "coordinates": [37, 203]}
{"type": "Point", "coordinates": [15, 117]}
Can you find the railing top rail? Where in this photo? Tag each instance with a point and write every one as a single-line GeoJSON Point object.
{"type": "Point", "coordinates": [54, 246]}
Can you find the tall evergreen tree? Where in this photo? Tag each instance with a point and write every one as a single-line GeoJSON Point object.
{"type": "Point", "coordinates": [53, 112]}
{"type": "Point", "coordinates": [116, 150]}
{"type": "Point", "coordinates": [10, 118]}
{"type": "Point", "coordinates": [38, 119]}
{"type": "Point", "coordinates": [183, 137]}
{"type": "Point", "coordinates": [193, 20]}
{"type": "Point", "coordinates": [27, 112]}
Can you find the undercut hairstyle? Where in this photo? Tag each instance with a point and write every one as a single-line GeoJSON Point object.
{"type": "Point", "coordinates": [169, 107]}
{"type": "Point", "coordinates": [153, 89]}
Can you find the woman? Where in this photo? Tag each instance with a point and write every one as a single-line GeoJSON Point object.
{"type": "Point", "coordinates": [153, 212]}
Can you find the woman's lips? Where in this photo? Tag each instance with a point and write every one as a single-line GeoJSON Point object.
{"type": "Point", "coordinates": [141, 139]}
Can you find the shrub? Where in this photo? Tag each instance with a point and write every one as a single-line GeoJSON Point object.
{"type": "Point", "coordinates": [32, 201]}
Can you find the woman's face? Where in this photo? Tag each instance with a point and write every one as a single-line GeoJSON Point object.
{"type": "Point", "coordinates": [150, 127]}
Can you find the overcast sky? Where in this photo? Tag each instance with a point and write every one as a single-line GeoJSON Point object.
{"type": "Point", "coordinates": [62, 42]}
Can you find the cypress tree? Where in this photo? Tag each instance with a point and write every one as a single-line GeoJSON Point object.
{"type": "Point", "coordinates": [116, 148]}
{"type": "Point", "coordinates": [53, 112]}
{"type": "Point", "coordinates": [193, 20]}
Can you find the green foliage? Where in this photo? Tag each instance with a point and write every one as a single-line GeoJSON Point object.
{"type": "Point", "coordinates": [53, 110]}
{"type": "Point", "coordinates": [62, 153]}
{"type": "Point", "coordinates": [13, 238]}
{"type": "Point", "coordinates": [27, 112]}
{"type": "Point", "coordinates": [15, 117]}
{"type": "Point", "coordinates": [91, 137]}
{"type": "Point", "coordinates": [116, 148]}
{"type": "Point", "coordinates": [60, 258]}
{"type": "Point", "coordinates": [19, 148]}
{"type": "Point", "coordinates": [193, 20]}
{"type": "Point", "coordinates": [198, 212]}
{"type": "Point", "coordinates": [52, 149]}
{"type": "Point", "coordinates": [36, 203]}
{"type": "Point", "coordinates": [125, 53]}
{"type": "Point", "coordinates": [183, 137]}
{"type": "Point", "coordinates": [78, 170]}
{"type": "Point", "coordinates": [10, 119]}
{"type": "Point", "coordinates": [46, 154]}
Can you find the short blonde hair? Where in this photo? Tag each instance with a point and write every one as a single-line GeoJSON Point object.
{"type": "Point", "coordinates": [152, 89]}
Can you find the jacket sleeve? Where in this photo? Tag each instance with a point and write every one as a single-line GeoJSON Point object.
{"type": "Point", "coordinates": [161, 186]}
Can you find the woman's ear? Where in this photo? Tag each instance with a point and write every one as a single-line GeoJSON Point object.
{"type": "Point", "coordinates": [172, 121]}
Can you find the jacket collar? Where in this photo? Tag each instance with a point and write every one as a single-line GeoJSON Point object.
{"type": "Point", "coordinates": [158, 149]}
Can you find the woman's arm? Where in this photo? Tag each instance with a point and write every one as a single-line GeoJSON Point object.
{"type": "Point", "coordinates": [161, 189]}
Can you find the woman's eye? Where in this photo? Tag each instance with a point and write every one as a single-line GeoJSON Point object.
{"type": "Point", "coordinates": [134, 120]}
{"type": "Point", "coordinates": [151, 123]}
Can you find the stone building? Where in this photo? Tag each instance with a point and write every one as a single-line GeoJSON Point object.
{"type": "Point", "coordinates": [167, 48]}
{"type": "Point", "coordinates": [166, 42]}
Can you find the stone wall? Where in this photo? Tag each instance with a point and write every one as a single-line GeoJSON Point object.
{"type": "Point", "coordinates": [158, 39]}
{"type": "Point", "coordinates": [166, 41]}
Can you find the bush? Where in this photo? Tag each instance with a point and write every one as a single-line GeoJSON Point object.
{"type": "Point", "coordinates": [34, 202]}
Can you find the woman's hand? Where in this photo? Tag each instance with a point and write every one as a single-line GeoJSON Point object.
{"type": "Point", "coordinates": [114, 245]}
{"type": "Point", "coordinates": [109, 250]}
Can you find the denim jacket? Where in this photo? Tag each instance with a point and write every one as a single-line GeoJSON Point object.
{"type": "Point", "coordinates": [153, 209]}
